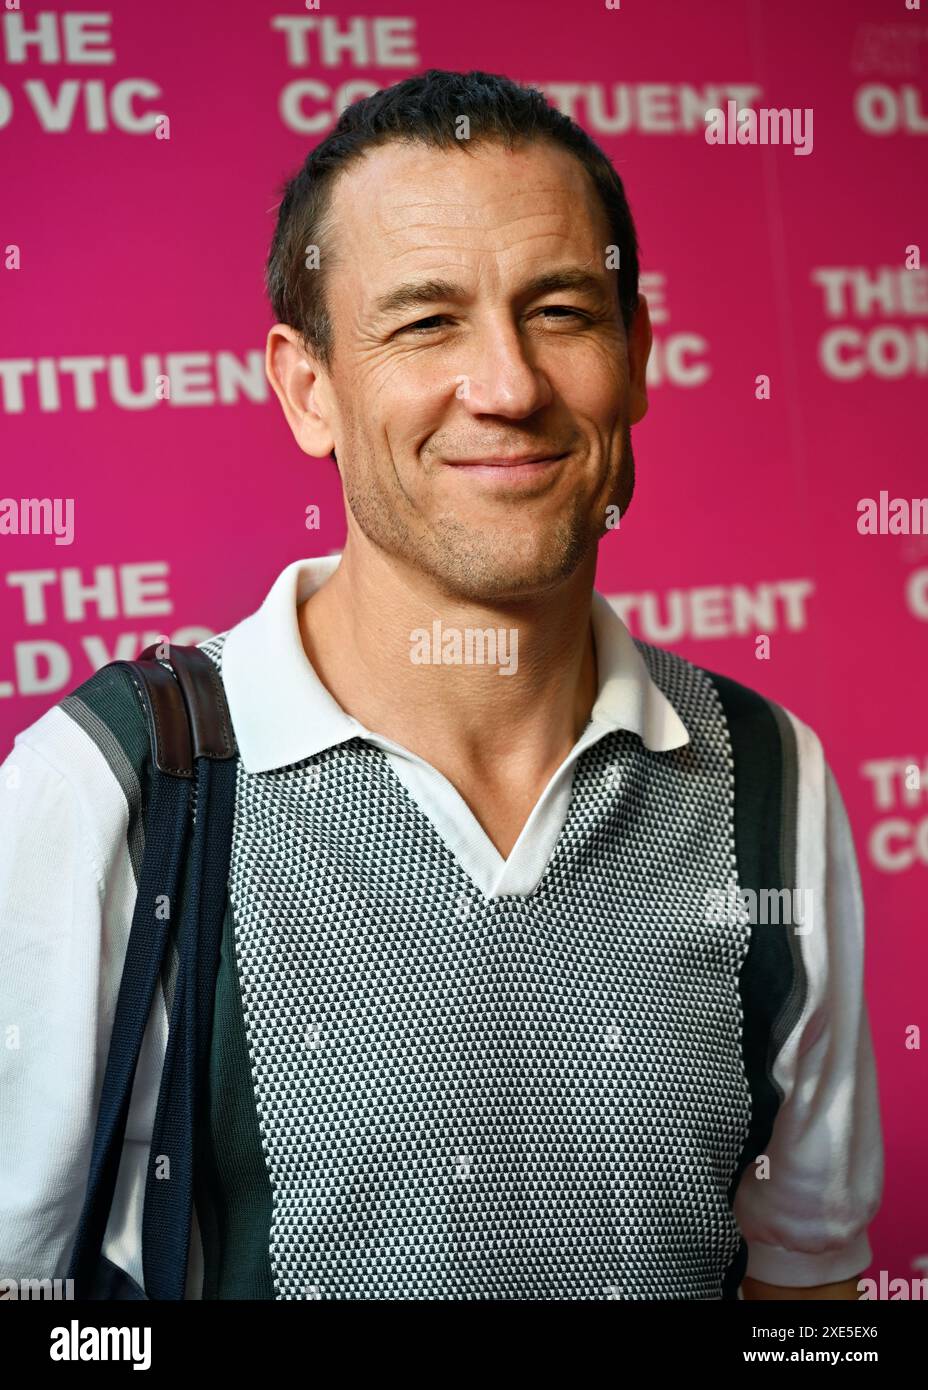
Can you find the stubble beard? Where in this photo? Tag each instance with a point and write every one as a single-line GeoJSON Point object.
{"type": "Point", "coordinates": [477, 565]}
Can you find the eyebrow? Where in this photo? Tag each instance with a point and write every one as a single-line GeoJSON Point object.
{"type": "Point", "coordinates": [417, 293]}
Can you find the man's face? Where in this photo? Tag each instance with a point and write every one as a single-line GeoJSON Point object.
{"type": "Point", "coordinates": [486, 365]}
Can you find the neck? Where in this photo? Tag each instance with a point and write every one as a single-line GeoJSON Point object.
{"type": "Point", "coordinates": [468, 719]}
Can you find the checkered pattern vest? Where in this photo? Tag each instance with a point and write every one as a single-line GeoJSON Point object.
{"type": "Point", "coordinates": [418, 1092]}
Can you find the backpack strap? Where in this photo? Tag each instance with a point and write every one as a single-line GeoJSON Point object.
{"type": "Point", "coordinates": [179, 1117]}
{"type": "Point", "coordinates": [188, 717]}
{"type": "Point", "coordinates": [194, 756]}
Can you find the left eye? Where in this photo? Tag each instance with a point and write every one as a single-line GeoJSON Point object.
{"type": "Point", "coordinates": [562, 309]}
{"type": "Point", "coordinates": [423, 325]}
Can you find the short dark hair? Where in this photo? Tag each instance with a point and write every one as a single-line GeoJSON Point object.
{"type": "Point", "coordinates": [425, 109]}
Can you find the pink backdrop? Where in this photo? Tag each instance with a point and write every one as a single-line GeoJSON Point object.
{"type": "Point", "coordinates": [141, 255]}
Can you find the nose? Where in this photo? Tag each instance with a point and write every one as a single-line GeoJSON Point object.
{"type": "Point", "coordinates": [505, 380]}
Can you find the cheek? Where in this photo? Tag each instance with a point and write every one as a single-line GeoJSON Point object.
{"type": "Point", "coordinates": [593, 380]}
{"type": "Point", "coordinates": [416, 405]}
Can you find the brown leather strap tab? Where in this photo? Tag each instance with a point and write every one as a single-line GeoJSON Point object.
{"type": "Point", "coordinates": [209, 722]}
{"type": "Point", "coordinates": [168, 724]}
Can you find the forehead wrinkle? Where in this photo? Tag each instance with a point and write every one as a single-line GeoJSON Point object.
{"type": "Point", "coordinates": [506, 197]}
{"type": "Point", "coordinates": [406, 245]}
{"type": "Point", "coordinates": [515, 238]}
{"type": "Point", "coordinates": [443, 220]}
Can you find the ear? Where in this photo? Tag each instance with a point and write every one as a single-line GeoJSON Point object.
{"type": "Point", "coordinates": [639, 339]}
{"type": "Point", "coordinates": [301, 385]}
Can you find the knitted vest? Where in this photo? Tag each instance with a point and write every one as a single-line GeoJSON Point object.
{"type": "Point", "coordinates": [417, 1092]}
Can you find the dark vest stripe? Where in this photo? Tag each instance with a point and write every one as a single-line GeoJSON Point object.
{"type": "Point", "coordinates": [771, 981]}
{"type": "Point", "coordinates": [234, 1193]}
{"type": "Point", "coordinates": [793, 1006]}
{"type": "Point", "coordinates": [109, 710]}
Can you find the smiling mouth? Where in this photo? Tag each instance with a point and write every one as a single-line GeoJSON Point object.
{"type": "Point", "coordinates": [509, 470]}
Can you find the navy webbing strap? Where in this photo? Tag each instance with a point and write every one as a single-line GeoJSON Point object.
{"type": "Point", "coordinates": [169, 1185]}
{"type": "Point", "coordinates": [201, 757]}
{"type": "Point", "coordinates": [168, 813]}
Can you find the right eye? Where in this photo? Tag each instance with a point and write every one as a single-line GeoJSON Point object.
{"type": "Point", "coordinates": [424, 325]}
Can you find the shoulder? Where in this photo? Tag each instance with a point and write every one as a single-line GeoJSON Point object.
{"type": "Point", "coordinates": [100, 726]}
{"type": "Point", "coordinates": [97, 728]}
{"type": "Point", "coordinates": [759, 726]}
{"type": "Point", "coordinates": [93, 749]}
{"type": "Point", "coordinates": [88, 760]}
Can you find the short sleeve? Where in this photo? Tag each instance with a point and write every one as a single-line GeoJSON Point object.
{"type": "Point", "coordinates": [806, 1223]}
{"type": "Point", "coordinates": [50, 934]}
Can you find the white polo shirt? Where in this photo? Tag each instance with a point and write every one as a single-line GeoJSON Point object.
{"type": "Point", "coordinates": [68, 871]}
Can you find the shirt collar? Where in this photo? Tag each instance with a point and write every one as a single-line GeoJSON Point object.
{"type": "Point", "coordinates": [282, 713]}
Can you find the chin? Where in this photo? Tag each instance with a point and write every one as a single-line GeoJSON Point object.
{"type": "Point", "coordinates": [507, 571]}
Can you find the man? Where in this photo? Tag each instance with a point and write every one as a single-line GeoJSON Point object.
{"type": "Point", "coordinates": [476, 1033]}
